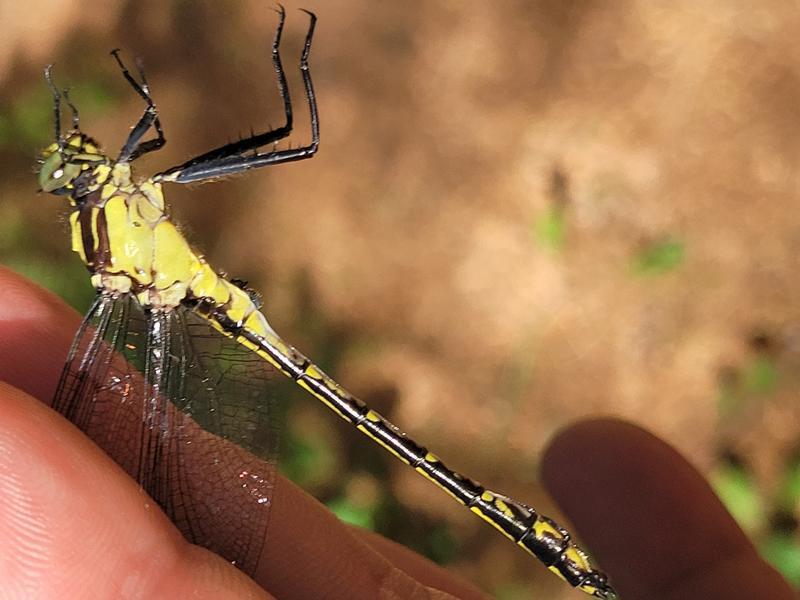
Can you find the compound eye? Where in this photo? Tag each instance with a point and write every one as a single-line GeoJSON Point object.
{"type": "Point", "coordinates": [56, 174]}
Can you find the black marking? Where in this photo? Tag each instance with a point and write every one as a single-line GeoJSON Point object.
{"type": "Point", "coordinates": [81, 187]}
{"type": "Point", "coordinates": [96, 257]}
{"type": "Point", "coordinates": [254, 296]}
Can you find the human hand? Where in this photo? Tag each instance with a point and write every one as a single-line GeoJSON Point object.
{"type": "Point", "coordinates": [72, 524]}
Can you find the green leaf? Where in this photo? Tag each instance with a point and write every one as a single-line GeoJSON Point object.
{"type": "Point", "coordinates": [307, 461]}
{"type": "Point", "coordinates": [761, 376]}
{"type": "Point", "coordinates": [348, 512]}
{"type": "Point", "coordinates": [549, 228]}
{"type": "Point", "coordinates": [739, 495]}
{"type": "Point", "coordinates": [659, 258]}
{"type": "Point", "coordinates": [783, 552]}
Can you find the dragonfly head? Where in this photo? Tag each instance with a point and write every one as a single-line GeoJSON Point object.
{"type": "Point", "coordinates": [69, 166]}
{"type": "Point", "coordinates": [72, 164]}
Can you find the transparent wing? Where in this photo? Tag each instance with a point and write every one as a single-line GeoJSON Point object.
{"type": "Point", "coordinates": [186, 412]}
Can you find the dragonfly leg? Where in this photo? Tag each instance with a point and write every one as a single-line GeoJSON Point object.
{"type": "Point", "coordinates": [230, 158]}
{"type": "Point", "coordinates": [76, 119]}
{"type": "Point", "coordinates": [48, 76]}
{"type": "Point", "coordinates": [134, 147]}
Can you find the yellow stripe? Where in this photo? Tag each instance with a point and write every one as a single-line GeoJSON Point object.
{"type": "Point", "coordinates": [95, 240]}
{"type": "Point", "coordinates": [363, 430]}
{"type": "Point", "coordinates": [577, 557]}
{"type": "Point", "coordinates": [432, 458]}
{"type": "Point", "coordinates": [542, 528]}
{"type": "Point", "coordinates": [323, 399]}
{"type": "Point", "coordinates": [313, 371]}
{"type": "Point", "coordinates": [504, 508]}
{"type": "Point", "coordinates": [77, 238]}
{"type": "Point", "coordinates": [438, 484]}
{"type": "Point", "coordinates": [491, 521]}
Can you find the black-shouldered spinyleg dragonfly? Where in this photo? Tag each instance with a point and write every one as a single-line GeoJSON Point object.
{"type": "Point", "coordinates": [174, 365]}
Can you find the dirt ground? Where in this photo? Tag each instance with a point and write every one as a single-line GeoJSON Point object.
{"type": "Point", "coordinates": [521, 214]}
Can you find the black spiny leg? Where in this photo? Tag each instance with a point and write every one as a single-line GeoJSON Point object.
{"type": "Point", "coordinates": [230, 159]}
{"type": "Point", "coordinates": [133, 148]}
{"type": "Point", "coordinates": [257, 140]}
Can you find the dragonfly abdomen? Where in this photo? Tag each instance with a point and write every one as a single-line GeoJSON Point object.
{"type": "Point", "coordinates": [537, 534]}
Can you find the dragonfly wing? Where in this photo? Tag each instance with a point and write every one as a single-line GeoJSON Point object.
{"type": "Point", "coordinates": [227, 402]}
{"type": "Point", "coordinates": [185, 411]}
{"type": "Point", "coordinates": [97, 389]}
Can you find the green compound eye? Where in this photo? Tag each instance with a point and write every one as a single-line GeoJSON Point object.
{"type": "Point", "coordinates": [55, 174]}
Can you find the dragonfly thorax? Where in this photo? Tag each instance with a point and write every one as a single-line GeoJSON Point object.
{"type": "Point", "coordinates": [125, 238]}
{"type": "Point", "coordinates": [123, 235]}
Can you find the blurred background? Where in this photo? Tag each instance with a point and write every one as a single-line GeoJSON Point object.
{"type": "Point", "coordinates": [522, 214]}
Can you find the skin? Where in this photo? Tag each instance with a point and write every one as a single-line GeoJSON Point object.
{"type": "Point", "coordinates": [73, 525]}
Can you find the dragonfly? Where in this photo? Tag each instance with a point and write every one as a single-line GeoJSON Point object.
{"type": "Point", "coordinates": [175, 369]}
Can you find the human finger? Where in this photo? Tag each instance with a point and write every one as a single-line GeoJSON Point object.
{"type": "Point", "coordinates": [653, 521]}
{"type": "Point", "coordinates": [74, 525]}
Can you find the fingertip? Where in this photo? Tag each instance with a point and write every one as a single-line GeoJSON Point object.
{"type": "Point", "coordinates": [74, 525]}
{"type": "Point", "coordinates": [651, 519]}
{"type": "Point", "coordinates": [581, 441]}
